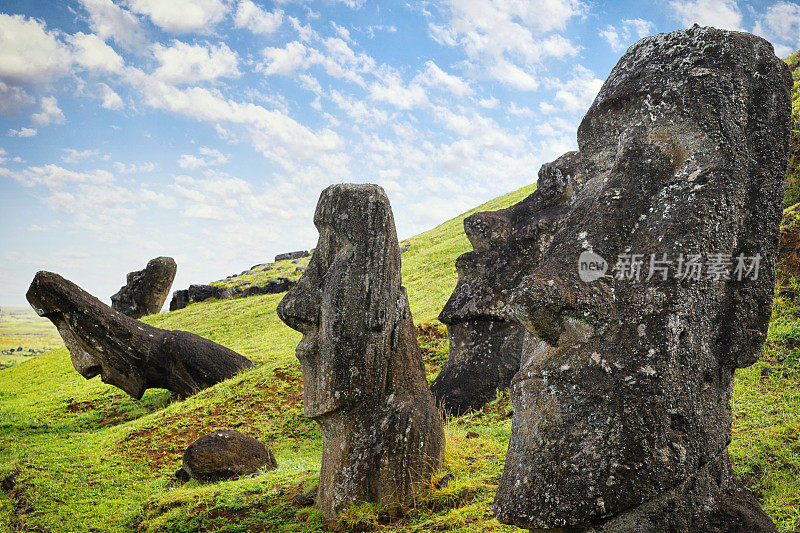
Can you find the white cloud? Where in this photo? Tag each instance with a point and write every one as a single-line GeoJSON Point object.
{"type": "Point", "coordinates": [506, 39]}
{"type": "Point", "coordinates": [433, 76]}
{"type": "Point", "coordinates": [215, 198]}
{"type": "Point", "coordinates": [339, 60]}
{"type": "Point", "coordinates": [50, 112]}
{"type": "Point", "coordinates": [28, 53]}
{"type": "Point", "coordinates": [724, 14]}
{"type": "Point", "coordinates": [182, 16]}
{"type": "Point", "coordinates": [250, 16]}
{"type": "Point", "coordinates": [185, 63]}
{"type": "Point", "coordinates": [359, 110]}
{"type": "Point", "coordinates": [576, 94]}
{"type": "Point", "coordinates": [71, 155]}
{"type": "Point", "coordinates": [489, 103]}
{"type": "Point", "coordinates": [56, 177]}
{"type": "Point", "coordinates": [393, 91]}
{"type": "Point", "coordinates": [620, 38]}
{"type": "Point", "coordinates": [13, 99]}
{"type": "Point", "coordinates": [22, 132]}
{"type": "Point", "coordinates": [92, 53]}
{"type": "Point", "coordinates": [208, 157]}
{"type": "Point", "coordinates": [122, 168]}
{"type": "Point", "coordinates": [110, 21]}
{"type": "Point", "coordinates": [111, 100]}
{"type": "Point", "coordinates": [780, 24]}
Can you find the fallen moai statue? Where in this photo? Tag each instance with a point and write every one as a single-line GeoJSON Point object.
{"type": "Point", "coordinates": [127, 353]}
{"type": "Point", "coordinates": [363, 378]}
{"type": "Point", "coordinates": [146, 290]}
{"type": "Point", "coordinates": [657, 285]}
{"type": "Point", "coordinates": [485, 338]}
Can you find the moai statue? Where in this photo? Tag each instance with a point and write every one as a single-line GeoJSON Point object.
{"type": "Point", "coordinates": [127, 353]}
{"type": "Point", "coordinates": [485, 338]}
{"type": "Point", "coordinates": [363, 378]}
{"type": "Point", "coordinates": [656, 286]}
{"type": "Point", "coordinates": [146, 290]}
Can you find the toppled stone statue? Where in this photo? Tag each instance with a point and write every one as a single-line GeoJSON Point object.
{"type": "Point", "coordinates": [223, 455]}
{"type": "Point", "coordinates": [485, 338]}
{"type": "Point", "coordinates": [657, 285]}
{"type": "Point", "coordinates": [146, 290]}
{"type": "Point", "coordinates": [363, 378]}
{"type": "Point", "coordinates": [180, 299]}
{"type": "Point", "coordinates": [127, 353]}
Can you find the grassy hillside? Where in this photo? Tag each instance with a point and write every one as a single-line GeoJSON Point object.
{"type": "Point", "coordinates": [78, 455]}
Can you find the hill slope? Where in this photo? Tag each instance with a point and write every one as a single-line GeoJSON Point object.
{"type": "Point", "coordinates": [79, 455]}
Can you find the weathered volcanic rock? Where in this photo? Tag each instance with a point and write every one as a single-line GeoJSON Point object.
{"type": "Point", "coordinates": [485, 338]}
{"type": "Point", "coordinates": [198, 293]}
{"type": "Point", "coordinates": [363, 378]}
{"type": "Point", "coordinates": [622, 403]}
{"type": "Point", "coordinates": [127, 353]}
{"type": "Point", "coordinates": [224, 455]}
{"type": "Point", "coordinates": [292, 255]}
{"type": "Point", "coordinates": [146, 290]}
{"type": "Point", "coordinates": [180, 299]}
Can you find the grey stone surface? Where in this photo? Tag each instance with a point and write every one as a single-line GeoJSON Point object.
{"type": "Point", "coordinates": [125, 352]}
{"type": "Point", "coordinates": [292, 255]}
{"type": "Point", "coordinates": [622, 401]}
{"type": "Point", "coordinates": [226, 454]}
{"type": "Point", "coordinates": [363, 378]}
{"type": "Point", "coordinates": [485, 338]}
{"type": "Point", "coordinates": [146, 290]}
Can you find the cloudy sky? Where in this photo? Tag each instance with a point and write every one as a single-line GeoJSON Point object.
{"type": "Point", "coordinates": [206, 129]}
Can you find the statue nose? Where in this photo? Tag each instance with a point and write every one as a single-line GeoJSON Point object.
{"type": "Point", "coordinates": [300, 308]}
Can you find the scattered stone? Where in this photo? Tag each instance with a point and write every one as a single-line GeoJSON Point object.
{"type": "Point", "coordinates": [146, 290]}
{"type": "Point", "coordinates": [280, 268]}
{"type": "Point", "coordinates": [127, 353]}
{"type": "Point", "coordinates": [363, 378]}
{"type": "Point", "coordinates": [622, 412]}
{"type": "Point", "coordinates": [442, 483]}
{"type": "Point", "coordinates": [405, 248]}
{"type": "Point", "coordinates": [295, 261]}
{"type": "Point", "coordinates": [472, 435]}
{"type": "Point", "coordinates": [767, 371]}
{"type": "Point", "coordinates": [226, 454]}
{"type": "Point", "coordinates": [198, 293]}
{"type": "Point", "coordinates": [258, 265]}
{"type": "Point", "coordinates": [485, 338]}
{"type": "Point", "coordinates": [303, 500]}
{"type": "Point", "coordinates": [300, 269]}
{"type": "Point", "coordinates": [180, 299]}
{"type": "Point", "coordinates": [291, 255]}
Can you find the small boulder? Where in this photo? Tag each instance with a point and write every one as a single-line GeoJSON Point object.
{"type": "Point", "coordinates": [226, 454]}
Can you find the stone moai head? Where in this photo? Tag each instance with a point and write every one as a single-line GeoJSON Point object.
{"type": "Point", "coordinates": [125, 352]}
{"type": "Point", "coordinates": [624, 385]}
{"type": "Point", "coordinates": [485, 338]}
{"type": "Point", "coordinates": [346, 299]}
{"type": "Point", "coordinates": [363, 377]}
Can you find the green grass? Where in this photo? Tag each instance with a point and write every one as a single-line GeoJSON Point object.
{"type": "Point", "coordinates": [88, 458]}
{"type": "Point", "coordinates": [21, 327]}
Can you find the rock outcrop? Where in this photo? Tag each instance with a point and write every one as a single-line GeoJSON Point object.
{"type": "Point", "coordinates": [125, 352]}
{"type": "Point", "coordinates": [363, 378]}
{"type": "Point", "coordinates": [198, 293]}
{"type": "Point", "coordinates": [292, 255]}
{"type": "Point", "coordinates": [146, 290]}
{"type": "Point", "coordinates": [622, 403]}
{"type": "Point", "coordinates": [223, 455]}
{"type": "Point", "coordinates": [485, 338]}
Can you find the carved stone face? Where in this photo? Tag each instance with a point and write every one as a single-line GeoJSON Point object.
{"type": "Point", "coordinates": [342, 301]}
{"type": "Point", "coordinates": [485, 339]}
{"type": "Point", "coordinates": [127, 353]}
{"type": "Point", "coordinates": [624, 386]}
{"type": "Point", "coordinates": [88, 357]}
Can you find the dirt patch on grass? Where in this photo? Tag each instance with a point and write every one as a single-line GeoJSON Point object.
{"type": "Point", "coordinates": [262, 409]}
{"type": "Point", "coordinates": [432, 339]}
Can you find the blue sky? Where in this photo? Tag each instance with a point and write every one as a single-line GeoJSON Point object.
{"type": "Point", "coordinates": [206, 129]}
